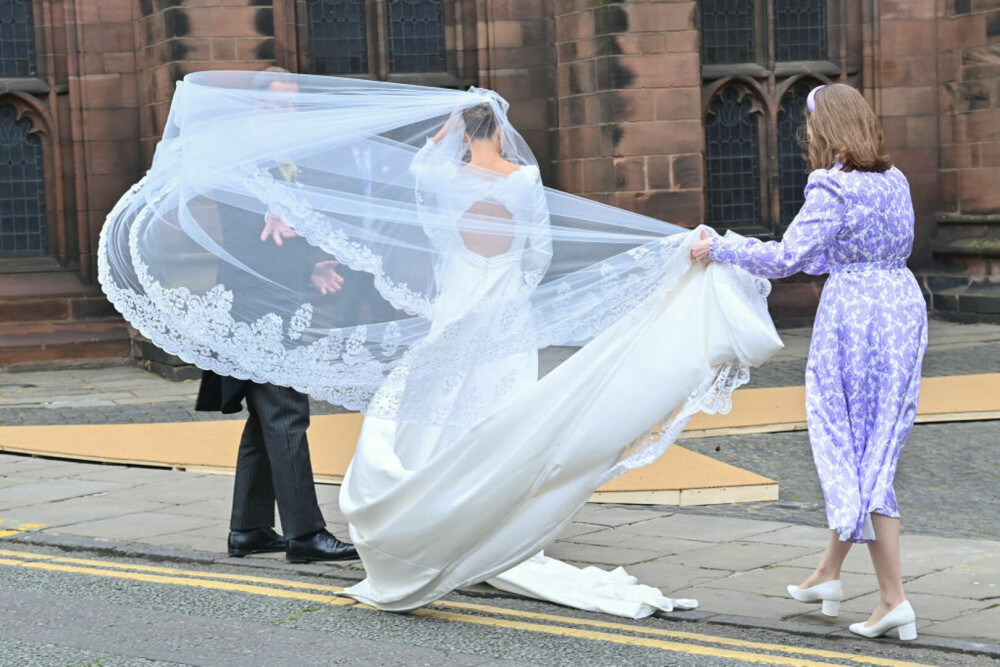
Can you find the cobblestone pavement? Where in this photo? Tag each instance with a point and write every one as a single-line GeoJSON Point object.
{"type": "Point", "coordinates": [946, 482]}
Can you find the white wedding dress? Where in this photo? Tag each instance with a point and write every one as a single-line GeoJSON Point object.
{"type": "Point", "coordinates": [433, 508]}
{"type": "Point", "coordinates": [468, 466]}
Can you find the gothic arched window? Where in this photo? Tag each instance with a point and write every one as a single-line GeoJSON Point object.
{"type": "Point", "coordinates": [799, 29]}
{"type": "Point", "coordinates": [416, 35]}
{"type": "Point", "coordinates": [22, 187]}
{"type": "Point", "coordinates": [338, 37]}
{"type": "Point", "coordinates": [381, 39]}
{"type": "Point", "coordinates": [732, 147]}
{"type": "Point", "coordinates": [727, 32]}
{"type": "Point", "coordinates": [769, 53]}
{"type": "Point", "coordinates": [791, 167]}
{"type": "Point", "coordinates": [17, 39]}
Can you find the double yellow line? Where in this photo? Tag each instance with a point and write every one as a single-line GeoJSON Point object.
{"type": "Point", "coordinates": [459, 612]}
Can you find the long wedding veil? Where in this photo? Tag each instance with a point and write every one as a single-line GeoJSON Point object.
{"type": "Point", "coordinates": [370, 181]}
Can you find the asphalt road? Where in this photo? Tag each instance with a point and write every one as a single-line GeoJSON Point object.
{"type": "Point", "coordinates": [62, 608]}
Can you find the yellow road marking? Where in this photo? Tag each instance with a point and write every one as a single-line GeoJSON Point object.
{"type": "Point", "coordinates": [195, 583]}
{"type": "Point", "coordinates": [677, 647]}
{"type": "Point", "coordinates": [8, 533]}
{"type": "Point", "coordinates": [169, 570]}
{"type": "Point", "coordinates": [867, 660]}
{"type": "Point", "coordinates": [201, 579]}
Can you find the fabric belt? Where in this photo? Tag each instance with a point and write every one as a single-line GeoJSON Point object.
{"type": "Point", "coordinates": [886, 265]}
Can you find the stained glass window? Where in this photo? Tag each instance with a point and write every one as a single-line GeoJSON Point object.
{"type": "Point", "coordinates": [800, 30]}
{"type": "Point", "coordinates": [727, 31]}
{"type": "Point", "coordinates": [22, 187]}
{"type": "Point", "coordinates": [416, 35]}
{"type": "Point", "coordinates": [731, 162]}
{"type": "Point", "coordinates": [791, 166]}
{"type": "Point", "coordinates": [338, 43]}
{"type": "Point", "coordinates": [17, 39]}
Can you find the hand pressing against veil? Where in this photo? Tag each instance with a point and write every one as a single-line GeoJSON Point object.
{"type": "Point", "coordinates": [276, 230]}
{"type": "Point", "coordinates": [325, 278]}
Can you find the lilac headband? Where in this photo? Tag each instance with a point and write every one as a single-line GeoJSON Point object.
{"type": "Point", "coordinates": [811, 99]}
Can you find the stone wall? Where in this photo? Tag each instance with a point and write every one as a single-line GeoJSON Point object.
{"type": "Point", "coordinates": [905, 87]}
{"type": "Point", "coordinates": [964, 281]}
{"type": "Point", "coordinates": [178, 37]}
{"type": "Point", "coordinates": [969, 94]}
{"type": "Point", "coordinates": [104, 159]}
{"type": "Point", "coordinates": [628, 98]}
{"type": "Point", "coordinates": [515, 56]}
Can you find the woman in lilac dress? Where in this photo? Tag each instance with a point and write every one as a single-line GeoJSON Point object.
{"type": "Point", "coordinates": [863, 373]}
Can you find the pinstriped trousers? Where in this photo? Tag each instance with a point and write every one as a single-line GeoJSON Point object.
{"type": "Point", "coordinates": [274, 465]}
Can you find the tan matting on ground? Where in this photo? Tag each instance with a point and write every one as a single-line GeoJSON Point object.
{"type": "Point", "coordinates": [681, 477]}
{"type": "Point", "coordinates": [942, 399]}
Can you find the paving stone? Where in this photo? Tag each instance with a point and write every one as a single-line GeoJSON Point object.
{"type": "Point", "coordinates": [740, 603]}
{"type": "Point", "coordinates": [181, 490]}
{"type": "Point", "coordinates": [589, 553]}
{"type": "Point", "coordinates": [124, 474]}
{"type": "Point", "coordinates": [575, 530]}
{"type": "Point", "coordinates": [615, 516]}
{"type": "Point", "coordinates": [738, 556]}
{"type": "Point", "coordinates": [689, 526]}
{"type": "Point", "coordinates": [919, 555]}
{"type": "Point", "coordinates": [59, 514]}
{"type": "Point", "coordinates": [328, 494]}
{"type": "Point", "coordinates": [976, 625]}
{"type": "Point", "coordinates": [47, 491]}
{"type": "Point", "coordinates": [137, 527]}
{"type": "Point", "coordinates": [797, 536]}
{"type": "Point", "coordinates": [15, 481]}
{"type": "Point", "coordinates": [211, 538]}
{"type": "Point", "coordinates": [665, 545]}
{"type": "Point", "coordinates": [30, 466]}
{"type": "Point", "coordinates": [773, 581]}
{"type": "Point", "coordinates": [671, 577]}
{"type": "Point", "coordinates": [961, 581]}
{"type": "Point", "coordinates": [215, 508]}
{"type": "Point", "coordinates": [928, 607]}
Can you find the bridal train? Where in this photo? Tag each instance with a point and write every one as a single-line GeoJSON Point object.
{"type": "Point", "coordinates": [480, 505]}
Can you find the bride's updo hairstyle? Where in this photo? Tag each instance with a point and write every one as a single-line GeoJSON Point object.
{"type": "Point", "coordinates": [844, 129]}
{"type": "Point", "coordinates": [480, 122]}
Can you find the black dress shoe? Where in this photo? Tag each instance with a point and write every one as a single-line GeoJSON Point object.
{"type": "Point", "coordinates": [257, 541]}
{"type": "Point", "coordinates": [318, 546]}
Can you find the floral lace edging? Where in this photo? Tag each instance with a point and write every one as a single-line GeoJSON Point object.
{"type": "Point", "coordinates": [713, 396]}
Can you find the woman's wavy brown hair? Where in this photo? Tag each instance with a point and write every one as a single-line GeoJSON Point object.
{"type": "Point", "coordinates": [845, 129]}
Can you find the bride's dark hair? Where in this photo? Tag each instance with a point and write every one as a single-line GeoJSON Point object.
{"type": "Point", "coordinates": [480, 122]}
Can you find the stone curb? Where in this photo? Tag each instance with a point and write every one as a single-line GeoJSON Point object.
{"type": "Point", "coordinates": [153, 553]}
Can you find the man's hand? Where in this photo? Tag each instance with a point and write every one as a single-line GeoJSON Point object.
{"type": "Point", "coordinates": [276, 228]}
{"type": "Point", "coordinates": [325, 279]}
{"type": "Point", "coordinates": [700, 249]}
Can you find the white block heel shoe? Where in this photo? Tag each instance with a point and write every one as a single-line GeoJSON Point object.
{"type": "Point", "coordinates": [830, 593]}
{"type": "Point", "coordinates": [901, 618]}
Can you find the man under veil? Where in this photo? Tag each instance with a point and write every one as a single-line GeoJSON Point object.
{"type": "Point", "coordinates": [273, 463]}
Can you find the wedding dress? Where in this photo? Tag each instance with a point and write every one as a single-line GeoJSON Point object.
{"type": "Point", "coordinates": [467, 465]}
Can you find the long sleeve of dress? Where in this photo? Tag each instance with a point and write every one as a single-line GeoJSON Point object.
{"type": "Point", "coordinates": [430, 160]}
{"type": "Point", "coordinates": [538, 253]}
{"type": "Point", "coordinates": [804, 245]}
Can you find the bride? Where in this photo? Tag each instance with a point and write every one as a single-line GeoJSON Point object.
{"type": "Point", "coordinates": [467, 465]}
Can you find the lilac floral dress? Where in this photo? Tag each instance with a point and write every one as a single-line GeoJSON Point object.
{"type": "Point", "coordinates": [863, 372]}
